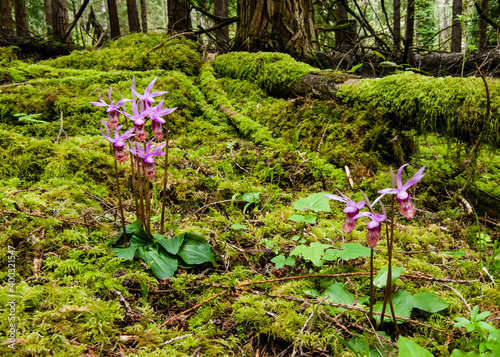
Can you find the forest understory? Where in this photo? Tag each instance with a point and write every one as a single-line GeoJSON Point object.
{"type": "Point", "coordinates": [249, 164]}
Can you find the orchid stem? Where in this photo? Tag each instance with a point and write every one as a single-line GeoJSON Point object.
{"type": "Point", "coordinates": [134, 188]}
{"type": "Point", "coordinates": [141, 196]}
{"type": "Point", "coordinates": [370, 315]}
{"type": "Point", "coordinates": [120, 206]}
{"type": "Point", "coordinates": [165, 179]}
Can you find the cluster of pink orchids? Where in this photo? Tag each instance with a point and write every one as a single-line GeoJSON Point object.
{"type": "Point", "coordinates": [142, 110]}
{"type": "Point", "coordinates": [406, 208]}
{"type": "Point", "coordinates": [352, 209]}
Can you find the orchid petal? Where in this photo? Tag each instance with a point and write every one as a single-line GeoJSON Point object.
{"type": "Point", "coordinates": [417, 177]}
{"type": "Point", "coordinates": [398, 177]}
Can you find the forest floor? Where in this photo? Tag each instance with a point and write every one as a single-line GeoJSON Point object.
{"type": "Point", "coordinates": [247, 172]}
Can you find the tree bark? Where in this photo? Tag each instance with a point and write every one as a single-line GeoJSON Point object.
{"type": "Point", "coordinates": [456, 27]}
{"type": "Point", "coordinates": [21, 14]}
{"type": "Point", "coordinates": [273, 25]}
{"type": "Point", "coordinates": [6, 23]}
{"type": "Point", "coordinates": [483, 25]}
{"type": "Point", "coordinates": [221, 9]}
{"type": "Point", "coordinates": [114, 22]}
{"type": "Point", "coordinates": [179, 19]}
{"type": "Point", "coordinates": [60, 21]}
{"type": "Point", "coordinates": [410, 28]}
{"type": "Point", "coordinates": [397, 25]}
{"type": "Point", "coordinates": [341, 41]}
{"type": "Point", "coordinates": [133, 16]}
{"type": "Point", "coordinates": [144, 16]}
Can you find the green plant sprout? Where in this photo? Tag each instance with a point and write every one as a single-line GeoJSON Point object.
{"type": "Point", "coordinates": [29, 117]}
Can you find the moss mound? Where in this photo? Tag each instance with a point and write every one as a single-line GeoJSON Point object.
{"type": "Point", "coordinates": [132, 53]}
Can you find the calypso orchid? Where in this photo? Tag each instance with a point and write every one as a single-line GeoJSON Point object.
{"type": "Point", "coordinates": [118, 142]}
{"type": "Point", "coordinates": [351, 210]}
{"type": "Point", "coordinates": [146, 98]}
{"type": "Point", "coordinates": [406, 208]}
{"type": "Point", "coordinates": [139, 121]}
{"type": "Point", "coordinates": [147, 154]}
{"type": "Point", "coordinates": [113, 109]}
{"type": "Point", "coordinates": [156, 119]}
{"type": "Point", "coordinates": [374, 227]}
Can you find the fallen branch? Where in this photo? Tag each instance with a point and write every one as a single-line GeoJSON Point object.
{"type": "Point", "coordinates": [10, 213]}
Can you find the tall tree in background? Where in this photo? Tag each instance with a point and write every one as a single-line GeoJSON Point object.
{"type": "Point", "coordinates": [456, 27]}
{"type": "Point", "coordinates": [409, 29]}
{"type": "Point", "coordinates": [60, 21]}
{"type": "Point", "coordinates": [483, 25]}
{"type": "Point", "coordinates": [133, 16]}
{"type": "Point", "coordinates": [6, 23]}
{"type": "Point", "coordinates": [21, 14]}
{"type": "Point", "coordinates": [48, 16]}
{"type": "Point", "coordinates": [274, 25]}
{"type": "Point", "coordinates": [114, 22]}
{"type": "Point", "coordinates": [341, 40]}
{"type": "Point", "coordinates": [144, 16]}
{"type": "Point", "coordinates": [178, 16]}
{"type": "Point", "coordinates": [221, 9]}
{"type": "Point", "coordinates": [397, 25]}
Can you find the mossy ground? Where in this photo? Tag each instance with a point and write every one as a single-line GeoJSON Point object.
{"type": "Point", "coordinates": [229, 137]}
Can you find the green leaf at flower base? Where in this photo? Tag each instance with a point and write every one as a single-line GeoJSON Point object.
{"type": "Point", "coordinates": [135, 234]}
{"type": "Point", "coordinates": [303, 219]}
{"type": "Point", "coordinates": [380, 280]}
{"type": "Point", "coordinates": [313, 253]}
{"type": "Point", "coordinates": [125, 253]}
{"type": "Point", "coordinates": [337, 293]}
{"type": "Point", "coordinates": [402, 302]}
{"type": "Point", "coordinates": [171, 245]}
{"type": "Point", "coordinates": [196, 250]}
{"type": "Point", "coordinates": [429, 302]}
{"type": "Point", "coordinates": [409, 348]}
{"type": "Point", "coordinates": [316, 202]}
{"type": "Point", "coordinates": [353, 251]}
{"type": "Point", "coordinates": [280, 261]}
{"type": "Point", "coordinates": [161, 263]}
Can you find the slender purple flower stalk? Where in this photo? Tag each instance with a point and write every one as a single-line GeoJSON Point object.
{"type": "Point", "coordinates": [351, 210]}
{"type": "Point", "coordinates": [406, 208]}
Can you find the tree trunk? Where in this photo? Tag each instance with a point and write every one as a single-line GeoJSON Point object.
{"type": "Point", "coordinates": [483, 39]}
{"type": "Point", "coordinates": [21, 14]}
{"type": "Point", "coordinates": [144, 16]}
{"type": "Point", "coordinates": [274, 25]}
{"type": "Point", "coordinates": [397, 25]}
{"type": "Point", "coordinates": [456, 27]}
{"type": "Point", "coordinates": [48, 16]}
{"type": "Point", "coordinates": [410, 28]}
{"type": "Point", "coordinates": [114, 22]}
{"type": "Point", "coordinates": [60, 21]}
{"type": "Point", "coordinates": [133, 16]}
{"type": "Point", "coordinates": [221, 9]}
{"type": "Point", "coordinates": [179, 19]}
{"type": "Point", "coordinates": [341, 42]}
{"type": "Point", "coordinates": [6, 23]}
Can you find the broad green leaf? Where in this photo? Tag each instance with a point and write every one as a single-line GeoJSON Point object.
{"type": "Point", "coordinates": [353, 251]}
{"type": "Point", "coordinates": [337, 293]}
{"type": "Point", "coordinates": [125, 253]}
{"type": "Point", "coordinates": [460, 353]}
{"type": "Point", "coordinates": [251, 197]}
{"type": "Point", "coordinates": [280, 261]}
{"type": "Point", "coordinates": [196, 249]}
{"type": "Point", "coordinates": [316, 202]}
{"type": "Point", "coordinates": [313, 253]}
{"type": "Point", "coordinates": [461, 321]}
{"type": "Point", "coordinates": [380, 280]}
{"type": "Point", "coordinates": [303, 219]}
{"type": "Point", "coordinates": [429, 302]}
{"type": "Point", "coordinates": [162, 264]}
{"type": "Point", "coordinates": [403, 304]}
{"type": "Point", "coordinates": [409, 348]}
{"type": "Point", "coordinates": [238, 226]}
{"type": "Point", "coordinates": [331, 254]}
{"type": "Point", "coordinates": [171, 245]}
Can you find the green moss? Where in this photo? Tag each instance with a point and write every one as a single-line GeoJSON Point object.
{"type": "Point", "coordinates": [132, 53]}
{"type": "Point", "coordinates": [272, 71]}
